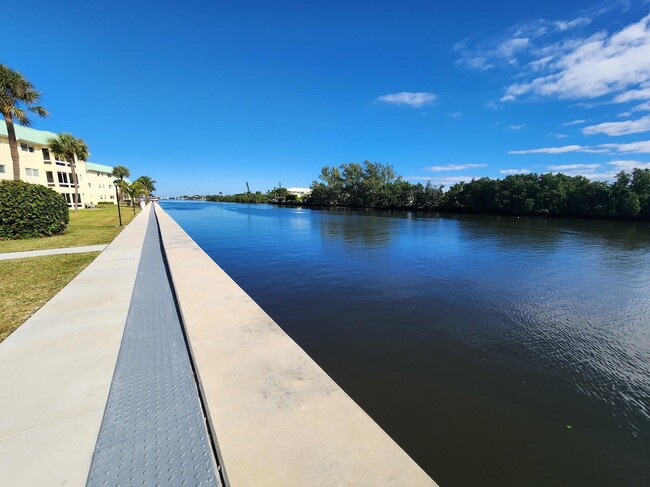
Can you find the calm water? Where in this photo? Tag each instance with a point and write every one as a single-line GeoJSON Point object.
{"type": "Point", "coordinates": [495, 350]}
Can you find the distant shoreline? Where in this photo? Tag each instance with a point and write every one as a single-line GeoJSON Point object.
{"type": "Point", "coordinates": [442, 211]}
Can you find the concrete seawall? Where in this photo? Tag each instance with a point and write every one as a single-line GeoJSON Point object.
{"type": "Point", "coordinates": [277, 417]}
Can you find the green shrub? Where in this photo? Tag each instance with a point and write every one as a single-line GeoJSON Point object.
{"type": "Point", "coordinates": [105, 203]}
{"type": "Point", "coordinates": [31, 210]}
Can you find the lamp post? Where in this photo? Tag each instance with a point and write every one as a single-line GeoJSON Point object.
{"type": "Point", "coordinates": [117, 197]}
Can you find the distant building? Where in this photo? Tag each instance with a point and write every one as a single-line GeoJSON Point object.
{"type": "Point", "coordinates": [300, 192]}
{"type": "Point", "coordinates": [39, 166]}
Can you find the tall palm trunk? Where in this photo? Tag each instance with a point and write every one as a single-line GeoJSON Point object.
{"type": "Point", "coordinates": [13, 144]}
{"type": "Point", "coordinates": [76, 183]}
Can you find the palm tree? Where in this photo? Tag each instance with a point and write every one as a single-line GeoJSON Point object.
{"type": "Point", "coordinates": [148, 183]}
{"type": "Point", "coordinates": [134, 190]}
{"type": "Point", "coordinates": [16, 91]}
{"type": "Point", "coordinates": [121, 172]}
{"type": "Point", "coordinates": [69, 148]}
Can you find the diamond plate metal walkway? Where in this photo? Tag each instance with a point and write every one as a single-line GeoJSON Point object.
{"type": "Point", "coordinates": [153, 431]}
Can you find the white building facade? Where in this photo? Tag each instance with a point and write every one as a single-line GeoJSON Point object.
{"type": "Point", "coordinates": [39, 166]}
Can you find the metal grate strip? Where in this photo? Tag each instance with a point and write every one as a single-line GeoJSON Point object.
{"type": "Point", "coordinates": [153, 431]}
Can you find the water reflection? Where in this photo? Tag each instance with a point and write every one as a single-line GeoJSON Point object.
{"type": "Point", "coordinates": [368, 233]}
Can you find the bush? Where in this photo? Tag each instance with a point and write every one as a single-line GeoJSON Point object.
{"type": "Point", "coordinates": [31, 210]}
{"type": "Point", "coordinates": [105, 203]}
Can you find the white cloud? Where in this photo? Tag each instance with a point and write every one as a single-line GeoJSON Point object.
{"type": "Point", "coordinates": [517, 44]}
{"type": "Point", "coordinates": [594, 176]}
{"type": "Point", "coordinates": [629, 165]}
{"type": "Point", "coordinates": [539, 64]}
{"type": "Point", "coordinates": [595, 66]}
{"type": "Point", "coordinates": [639, 147]}
{"type": "Point", "coordinates": [514, 171]}
{"type": "Point", "coordinates": [445, 181]}
{"type": "Point", "coordinates": [493, 105]}
{"type": "Point", "coordinates": [508, 49]}
{"type": "Point", "coordinates": [517, 127]}
{"type": "Point", "coordinates": [573, 167]}
{"type": "Point", "coordinates": [455, 115]}
{"type": "Point", "coordinates": [559, 150]}
{"type": "Point", "coordinates": [410, 99]}
{"type": "Point", "coordinates": [563, 25]}
{"type": "Point", "coordinates": [454, 167]}
{"type": "Point", "coordinates": [633, 95]}
{"type": "Point", "coordinates": [574, 122]}
{"type": "Point", "coordinates": [619, 128]}
{"type": "Point", "coordinates": [643, 107]}
{"type": "Point", "coordinates": [558, 136]}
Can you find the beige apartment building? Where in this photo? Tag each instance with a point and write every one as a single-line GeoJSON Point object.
{"type": "Point", "coordinates": [39, 166]}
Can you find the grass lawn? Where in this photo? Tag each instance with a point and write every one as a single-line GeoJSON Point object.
{"type": "Point", "coordinates": [87, 227]}
{"type": "Point", "coordinates": [27, 284]}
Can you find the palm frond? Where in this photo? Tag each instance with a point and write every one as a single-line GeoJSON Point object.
{"type": "Point", "coordinates": [17, 91]}
{"type": "Point", "coordinates": [40, 111]}
{"type": "Point", "coordinates": [20, 116]}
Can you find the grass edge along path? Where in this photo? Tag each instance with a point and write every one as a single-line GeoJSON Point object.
{"type": "Point", "coordinates": [87, 227]}
{"type": "Point", "coordinates": [30, 283]}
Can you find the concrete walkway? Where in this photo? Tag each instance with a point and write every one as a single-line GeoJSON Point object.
{"type": "Point", "coordinates": [56, 370]}
{"type": "Point", "coordinates": [41, 253]}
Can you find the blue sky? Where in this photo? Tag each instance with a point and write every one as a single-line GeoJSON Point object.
{"type": "Point", "coordinates": [204, 96]}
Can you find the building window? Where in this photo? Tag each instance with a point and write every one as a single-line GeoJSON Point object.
{"type": "Point", "coordinates": [2, 169]}
{"type": "Point", "coordinates": [63, 178]}
{"type": "Point", "coordinates": [31, 172]}
{"type": "Point", "coordinates": [89, 185]}
{"type": "Point", "coordinates": [69, 198]}
{"type": "Point", "coordinates": [27, 148]}
{"type": "Point", "coordinates": [112, 197]}
{"type": "Point", "coordinates": [50, 177]}
{"type": "Point", "coordinates": [46, 156]}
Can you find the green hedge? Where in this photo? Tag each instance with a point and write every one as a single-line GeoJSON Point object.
{"type": "Point", "coordinates": [31, 210]}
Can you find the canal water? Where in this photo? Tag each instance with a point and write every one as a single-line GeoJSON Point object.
{"type": "Point", "coordinates": [495, 350]}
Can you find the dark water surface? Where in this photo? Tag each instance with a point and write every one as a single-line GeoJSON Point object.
{"type": "Point", "coordinates": [497, 351]}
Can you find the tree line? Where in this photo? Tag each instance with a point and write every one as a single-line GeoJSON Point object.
{"type": "Point", "coordinates": [376, 185]}
{"type": "Point", "coordinates": [275, 195]}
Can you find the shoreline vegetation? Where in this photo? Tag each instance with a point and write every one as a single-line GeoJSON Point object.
{"type": "Point", "coordinates": [376, 185]}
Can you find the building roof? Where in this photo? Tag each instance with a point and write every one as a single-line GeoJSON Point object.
{"type": "Point", "coordinates": [27, 134]}
{"type": "Point", "coordinates": [92, 166]}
